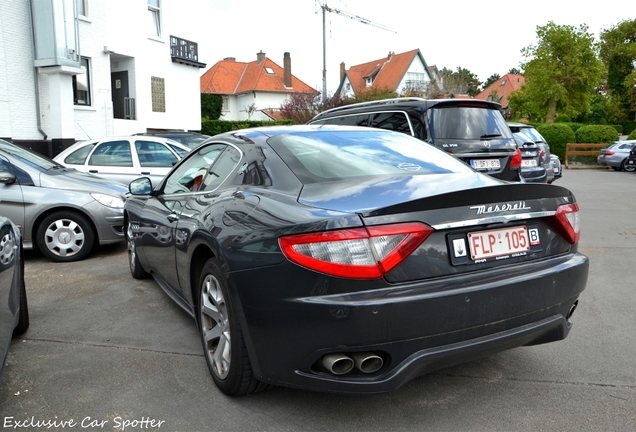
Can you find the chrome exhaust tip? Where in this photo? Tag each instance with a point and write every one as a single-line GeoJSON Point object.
{"type": "Point", "coordinates": [337, 363]}
{"type": "Point", "coordinates": [367, 362]}
{"type": "Point", "coordinates": [571, 311]}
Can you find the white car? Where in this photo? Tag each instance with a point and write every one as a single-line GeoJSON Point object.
{"type": "Point", "coordinates": [123, 159]}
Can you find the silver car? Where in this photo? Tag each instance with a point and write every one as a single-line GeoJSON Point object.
{"type": "Point", "coordinates": [615, 155]}
{"type": "Point", "coordinates": [62, 211]}
{"type": "Point", "coordinates": [123, 159]}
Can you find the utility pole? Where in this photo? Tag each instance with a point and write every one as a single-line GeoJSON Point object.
{"type": "Point", "coordinates": [325, 9]}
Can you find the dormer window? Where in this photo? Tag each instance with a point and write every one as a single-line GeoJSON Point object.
{"type": "Point", "coordinates": [503, 83]}
{"type": "Point", "coordinates": [269, 70]}
{"type": "Point", "coordinates": [369, 81]}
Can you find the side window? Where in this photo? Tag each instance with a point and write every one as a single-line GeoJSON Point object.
{"type": "Point", "coordinates": [114, 153]}
{"type": "Point", "coordinates": [178, 150]}
{"type": "Point", "coordinates": [395, 121]}
{"type": "Point", "coordinates": [154, 154]}
{"type": "Point", "coordinates": [222, 167]}
{"type": "Point", "coordinates": [189, 175]}
{"type": "Point", "coordinates": [351, 120]}
{"type": "Point", "coordinates": [78, 157]}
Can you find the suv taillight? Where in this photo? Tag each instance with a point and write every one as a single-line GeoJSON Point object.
{"type": "Point", "coordinates": [515, 162]}
{"type": "Point", "coordinates": [358, 253]}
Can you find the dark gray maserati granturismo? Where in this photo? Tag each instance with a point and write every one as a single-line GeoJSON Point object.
{"type": "Point", "coordinates": [352, 260]}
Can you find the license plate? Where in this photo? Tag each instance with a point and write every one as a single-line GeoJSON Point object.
{"type": "Point", "coordinates": [485, 163]}
{"type": "Point", "coordinates": [529, 163]}
{"type": "Point", "coordinates": [500, 242]}
{"type": "Point", "coordinates": [630, 162]}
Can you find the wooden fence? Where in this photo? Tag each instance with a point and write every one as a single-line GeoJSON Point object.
{"type": "Point", "coordinates": [569, 150]}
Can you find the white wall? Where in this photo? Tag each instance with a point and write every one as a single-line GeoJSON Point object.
{"type": "Point", "coordinates": [262, 100]}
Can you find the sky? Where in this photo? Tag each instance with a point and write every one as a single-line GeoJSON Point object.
{"type": "Point", "coordinates": [485, 37]}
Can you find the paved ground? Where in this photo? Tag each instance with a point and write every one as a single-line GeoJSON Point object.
{"type": "Point", "coordinates": [107, 352]}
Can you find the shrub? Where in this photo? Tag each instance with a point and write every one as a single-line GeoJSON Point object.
{"type": "Point", "coordinates": [619, 128]}
{"type": "Point", "coordinates": [629, 127]}
{"type": "Point", "coordinates": [563, 118]}
{"type": "Point", "coordinates": [557, 135]}
{"type": "Point", "coordinates": [596, 134]}
{"type": "Point", "coordinates": [632, 136]}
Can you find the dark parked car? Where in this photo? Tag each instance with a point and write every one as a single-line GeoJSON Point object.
{"type": "Point", "coordinates": [350, 259]}
{"type": "Point", "coordinates": [630, 163]}
{"type": "Point", "coordinates": [473, 130]}
{"type": "Point", "coordinates": [14, 311]}
{"type": "Point", "coordinates": [534, 135]}
{"type": "Point", "coordinates": [616, 154]}
{"type": "Point", "coordinates": [557, 167]}
{"type": "Point", "coordinates": [190, 139]}
{"type": "Point", "coordinates": [533, 168]}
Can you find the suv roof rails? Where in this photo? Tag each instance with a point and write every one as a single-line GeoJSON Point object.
{"type": "Point", "coordinates": [376, 102]}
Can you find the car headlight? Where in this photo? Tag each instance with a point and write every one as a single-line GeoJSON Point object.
{"type": "Point", "coordinates": [108, 200]}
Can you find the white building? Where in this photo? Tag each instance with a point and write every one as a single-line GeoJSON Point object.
{"type": "Point", "coordinates": [95, 68]}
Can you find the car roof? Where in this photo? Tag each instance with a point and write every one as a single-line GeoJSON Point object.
{"type": "Point", "coordinates": [396, 103]}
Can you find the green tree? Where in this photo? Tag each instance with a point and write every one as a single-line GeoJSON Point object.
{"type": "Point", "coordinates": [491, 79]}
{"type": "Point", "coordinates": [562, 71]}
{"type": "Point", "coordinates": [374, 93]}
{"type": "Point", "coordinates": [515, 71]}
{"type": "Point", "coordinates": [618, 52]}
{"type": "Point", "coordinates": [461, 81]}
{"type": "Point", "coordinates": [211, 106]}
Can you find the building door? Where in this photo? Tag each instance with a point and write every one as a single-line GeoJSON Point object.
{"type": "Point", "coordinates": [119, 89]}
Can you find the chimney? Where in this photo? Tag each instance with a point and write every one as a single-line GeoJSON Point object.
{"type": "Point", "coordinates": [342, 70]}
{"type": "Point", "coordinates": [287, 76]}
{"type": "Point", "coordinates": [388, 57]}
{"type": "Point", "coordinates": [260, 56]}
{"type": "Point", "coordinates": [233, 59]}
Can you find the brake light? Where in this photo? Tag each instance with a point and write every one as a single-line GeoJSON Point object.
{"type": "Point", "coordinates": [358, 253]}
{"type": "Point", "coordinates": [609, 152]}
{"type": "Point", "coordinates": [515, 162]}
{"type": "Point", "coordinates": [568, 222]}
{"type": "Point", "coordinates": [542, 154]}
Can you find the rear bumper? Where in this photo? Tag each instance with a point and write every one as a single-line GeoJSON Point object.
{"type": "Point", "coordinates": [415, 328]}
{"type": "Point", "coordinates": [535, 175]}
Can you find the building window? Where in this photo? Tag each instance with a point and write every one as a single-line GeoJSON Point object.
{"type": "Point", "coordinates": [415, 80]}
{"type": "Point", "coordinates": [269, 70]}
{"type": "Point", "coordinates": [155, 17]}
{"type": "Point", "coordinates": [82, 84]}
{"type": "Point", "coordinates": [158, 91]}
{"type": "Point", "coordinates": [80, 7]}
{"type": "Point", "coordinates": [226, 103]}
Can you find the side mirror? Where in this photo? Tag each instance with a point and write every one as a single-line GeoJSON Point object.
{"type": "Point", "coordinates": [140, 186]}
{"type": "Point", "coordinates": [6, 177]}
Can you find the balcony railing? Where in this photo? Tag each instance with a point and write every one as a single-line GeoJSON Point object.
{"type": "Point", "coordinates": [185, 52]}
{"type": "Point", "coordinates": [130, 112]}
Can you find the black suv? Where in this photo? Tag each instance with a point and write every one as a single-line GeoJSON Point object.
{"type": "Point", "coordinates": [630, 162]}
{"type": "Point", "coordinates": [473, 130]}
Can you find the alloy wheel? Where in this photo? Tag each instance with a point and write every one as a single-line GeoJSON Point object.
{"type": "Point", "coordinates": [215, 326]}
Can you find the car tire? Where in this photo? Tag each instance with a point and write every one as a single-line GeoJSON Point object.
{"type": "Point", "coordinates": [222, 337]}
{"type": "Point", "coordinates": [23, 319]}
{"type": "Point", "coordinates": [628, 168]}
{"type": "Point", "coordinates": [136, 269]}
{"type": "Point", "coordinates": [65, 236]}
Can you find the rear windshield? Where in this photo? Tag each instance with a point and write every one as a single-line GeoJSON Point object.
{"type": "Point", "coordinates": [332, 155]}
{"type": "Point", "coordinates": [533, 134]}
{"type": "Point", "coordinates": [468, 123]}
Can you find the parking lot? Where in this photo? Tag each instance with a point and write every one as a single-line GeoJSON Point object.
{"type": "Point", "coordinates": [108, 352]}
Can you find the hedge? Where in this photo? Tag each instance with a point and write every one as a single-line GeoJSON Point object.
{"type": "Point", "coordinates": [557, 135]}
{"type": "Point", "coordinates": [596, 134]}
{"type": "Point", "coordinates": [214, 127]}
{"type": "Point", "coordinates": [632, 136]}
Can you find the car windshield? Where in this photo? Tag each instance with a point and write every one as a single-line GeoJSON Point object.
{"type": "Point", "coordinates": [329, 155]}
{"type": "Point", "coordinates": [533, 134]}
{"type": "Point", "coordinates": [464, 122]}
{"type": "Point", "coordinates": [32, 159]}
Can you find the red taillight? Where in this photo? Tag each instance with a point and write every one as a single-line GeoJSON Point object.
{"type": "Point", "coordinates": [358, 253]}
{"type": "Point", "coordinates": [568, 222]}
{"type": "Point", "coordinates": [515, 162]}
{"type": "Point", "coordinates": [542, 154]}
{"type": "Point", "coordinates": [609, 153]}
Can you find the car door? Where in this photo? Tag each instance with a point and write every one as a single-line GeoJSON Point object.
{"type": "Point", "coordinates": [155, 159]}
{"type": "Point", "coordinates": [113, 160]}
{"type": "Point", "coordinates": [161, 213]}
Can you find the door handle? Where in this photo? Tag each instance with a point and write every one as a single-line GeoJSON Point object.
{"type": "Point", "coordinates": [173, 217]}
{"type": "Point", "coordinates": [93, 171]}
{"type": "Point", "coordinates": [145, 172]}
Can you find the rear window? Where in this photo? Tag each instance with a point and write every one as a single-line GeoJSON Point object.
{"type": "Point", "coordinates": [332, 155]}
{"type": "Point", "coordinates": [467, 123]}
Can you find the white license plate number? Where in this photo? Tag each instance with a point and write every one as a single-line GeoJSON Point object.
{"type": "Point", "coordinates": [630, 162]}
{"type": "Point", "coordinates": [529, 163]}
{"type": "Point", "coordinates": [485, 163]}
{"type": "Point", "coordinates": [500, 242]}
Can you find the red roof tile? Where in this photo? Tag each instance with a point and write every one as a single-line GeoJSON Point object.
{"type": "Point", "coordinates": [232, 77]}
{"type": "Point", "coordinates": [502, 88]}
{"type": "Point", "coordinates": [387, 71]}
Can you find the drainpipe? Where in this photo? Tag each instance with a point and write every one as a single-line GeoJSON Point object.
{"type": "Point", "coordinates": [36, 84]}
